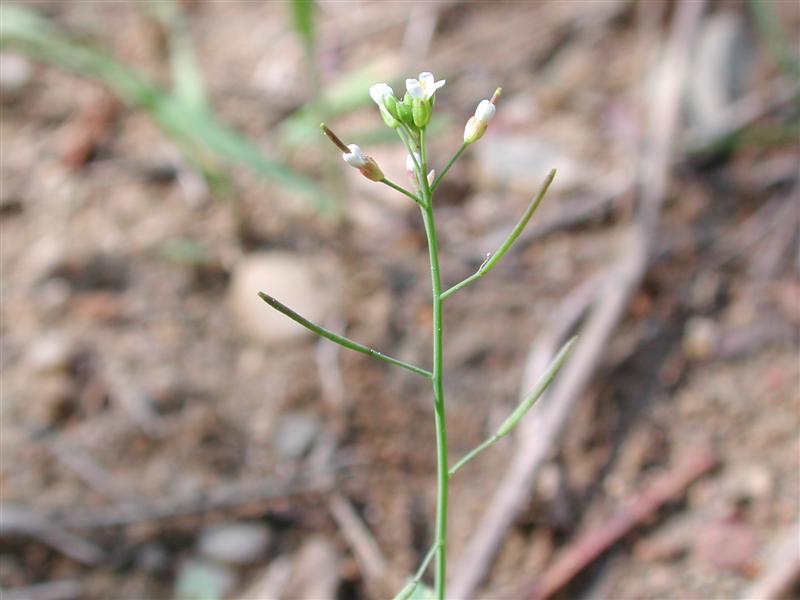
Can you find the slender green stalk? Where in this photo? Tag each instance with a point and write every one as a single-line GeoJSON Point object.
{"type": "Point", "coordinates": [402, 190]}
{"type": "Point", "coordinates": [447, 167]}
{"type": "Point", "coordinates": [442, 478]}
{"type": "Point", "coordinates": [341, 340]}
{"type": "Point", "coordinates": [490, 262]}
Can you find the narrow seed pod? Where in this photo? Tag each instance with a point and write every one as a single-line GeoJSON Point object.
{"type": "Point", "coordinates": [545, 380]}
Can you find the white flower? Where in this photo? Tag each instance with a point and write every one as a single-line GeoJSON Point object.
{"type": "Point", "coordinates": [423, 88]}
{"type": "Point", "coordinates": [355, 158]}
{"type": "Point", "coordinates": [485, 111]}
{"type": "Point", "coordinates": [379, 91]}
{"type": "Point", "coordinates": [410, 162]}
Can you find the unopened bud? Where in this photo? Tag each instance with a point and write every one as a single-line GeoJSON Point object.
{"type": "Point", "coordinates": [404, 110]}
{"type": "Point", "coordinates": [474, 130]}
{"type": "Point", "coordinates": [477, 124]}
{"type": "Point", "coordinates": [421, 112]}
{"type": "Point", "coordinates": [388, 118]}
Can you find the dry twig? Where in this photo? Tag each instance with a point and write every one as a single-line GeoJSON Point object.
{"type": "Point", "coordinates": [368, 555]}
{"type": "Point", "coordinates": [592, 544]}
{"type": "Point", "coordinates": [17, 521]}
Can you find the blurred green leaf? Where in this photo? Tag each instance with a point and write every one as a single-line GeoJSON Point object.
{"type": "Point", "coordinates": [303, 11]}
{"type": "Point", "coordinates": [203, 137]}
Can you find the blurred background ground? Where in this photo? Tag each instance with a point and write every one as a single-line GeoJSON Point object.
{"type": "Point", "coordinates": [164, 435]}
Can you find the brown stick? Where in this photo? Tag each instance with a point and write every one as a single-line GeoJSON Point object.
{"type": "Point", "coordinates": [17, 521]}
{"type": "Point", "coordinates": [592, 544]}
{"type": "Point", "coordinates": [365, 549]}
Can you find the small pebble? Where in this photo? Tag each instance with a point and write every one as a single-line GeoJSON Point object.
{"type": "Point", "coordinates": [294, 435]}
{"type": "Point", "coordinates": [15, 75]}
{"type": "Point", "coordinates": [235, 543]}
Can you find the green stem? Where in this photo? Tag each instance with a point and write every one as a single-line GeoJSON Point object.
{"type": "Point", "coordinates": [437, 379]}
{"type": "Point", "coordinates": [447, 167]}
{"type": "Point", "coordinates": [402, 190]}
{"type": "Point", "coordinates": [339, 339]}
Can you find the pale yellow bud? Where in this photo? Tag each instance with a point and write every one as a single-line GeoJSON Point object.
{"type": "Point", "coordinates": [474, 130]}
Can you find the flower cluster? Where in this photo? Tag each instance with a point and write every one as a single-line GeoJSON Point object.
{"type": "Point", "coordinates": [410, 116]}
{"type": "Point", "coordinates": [415, 108]}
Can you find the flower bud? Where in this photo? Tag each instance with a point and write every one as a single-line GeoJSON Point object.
{"type": "Point", "coordinates": [474, 130]}
{"type": "Point", "coordinates": [404, 111]}
{"type": "Point", "coordinates": [421, 112]}
{"type": "Point", "coordinates": [366, 164]}
{"type": "Point", "coordinates": [390, 103]}
{"type": "Point", "coordinates": [477, 124]}
{"type": "Point", "coordinates": [387, 117]}
{"type": "Point", "coordinates": [383, 95]}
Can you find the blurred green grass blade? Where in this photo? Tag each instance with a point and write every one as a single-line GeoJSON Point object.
{"type": "Point", "coordinates": [303, 12]}
{"type": "Point", "coordinates": [769, 26]}
{"type": "Point", "coordinates": [199, 133]}
{"type": "Point", "coordinates": [187, 79]}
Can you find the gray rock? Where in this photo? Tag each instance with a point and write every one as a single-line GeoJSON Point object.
{"type": "Point", "coordinates": [307, 285]}
{"type": "Point", "coordinates": [235, 543]}
{"type": "Point", "coordinates": [294, 435]}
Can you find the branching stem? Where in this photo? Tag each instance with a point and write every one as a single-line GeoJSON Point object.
{"type": "Point", "coordinates": [447, 167]}
{"type": "Point", "coordinates": [402, 190]}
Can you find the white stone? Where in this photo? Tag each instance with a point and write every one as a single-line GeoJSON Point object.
{"type": "Point", "coordinates": [305, 284]}
{"type": "Point", "coordinates": [235, 543]}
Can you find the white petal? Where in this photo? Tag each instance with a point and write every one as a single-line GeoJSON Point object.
{"type": "Point", "coordinates": [379, 91]}
{"type": "Point", "coordinates": [485, 111]}
{"type": "Point", "coordinates": [354, 158]}
{"type": "Point", "coordinates": [438, 84]}
{"type": "Point", "coordinates": [426, 79]}
{"type": "Point", "coordinates": [415, 89]}
{"type": "Point", "coordinates": [410, 161]}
